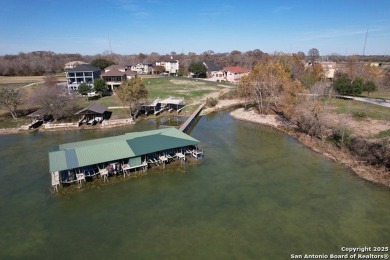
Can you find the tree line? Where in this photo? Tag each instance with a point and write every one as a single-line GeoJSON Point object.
{"type": "Point", "coordinates": [39, 63]}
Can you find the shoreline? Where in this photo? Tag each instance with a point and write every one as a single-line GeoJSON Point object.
{"type": "Point", "coordinates": [366, 172]}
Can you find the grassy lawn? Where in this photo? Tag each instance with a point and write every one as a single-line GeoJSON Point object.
{"type": "Point", "coordinates": [189, 89]}
{"type": "Point", "coordinates": [381, 94]}
{"type": "Point", "coordinates": [360, 109]}
{"type": "Point", "coordinates": [23, 80]}
{"type": "Point", "coordinates": [6, 120]}
{"type": "Point", "coordinates": [107, 101]}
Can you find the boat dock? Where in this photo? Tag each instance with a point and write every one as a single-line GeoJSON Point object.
{"type": "Point", "coordinates": [124, 155]}
{"type": "Point", "coordinates": [190, 121]}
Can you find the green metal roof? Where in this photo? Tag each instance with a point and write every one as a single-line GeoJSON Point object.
{"type": "Point", "coordinates": [90, 152]}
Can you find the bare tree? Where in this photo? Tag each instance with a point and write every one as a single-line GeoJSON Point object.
{"type": "Point", "coordinates": [57, 103]}
{"type": "Point", "coordinates": [50, 80]}
{"type": "Point", "coordinates": [10, 99]}
{"type": "Point", "coordinates": [313, 55]}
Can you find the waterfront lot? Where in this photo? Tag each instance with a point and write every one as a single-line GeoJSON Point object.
{"type": "Point", "coordinates": [193, 91]}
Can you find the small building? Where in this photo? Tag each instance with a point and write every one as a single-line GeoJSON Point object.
{"type": "Point", "coordinates": [214, 72]}
{"type": "Point", "coordinates": [329, 69]}
{"type": "Point", "coordinates": [234, 73]}
{"type": "Point", "coordinates": [73, 64]}
{"type": "Point", "coordinates": [94, 113]}
{"type": "Point", "coordinates": [73, 162]}
{"type": "Point", "coordinates": [83, 73]}
{"type": "Point", "coordinates": [150, 107]}
{"type": "Point", "coordinates": [157, 106]}
{"type": "Point", "coordinates": [172, 103]}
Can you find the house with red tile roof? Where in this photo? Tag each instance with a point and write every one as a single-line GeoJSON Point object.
{"type": "Point", "coordinates": [234, 73]}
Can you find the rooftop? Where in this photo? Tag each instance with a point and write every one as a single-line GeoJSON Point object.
{"type": "Point", "coordinates": [172, 100]}
{"type": "Point", "coordinates": [235, 69]}
{"type": "Point", "coordinates": [117, 67]}
{"type": "Point", "coordinates": [83, 68]}
{"type": "Point", "coordinates": [113, 73]}
{"type": "Point", "coordinates": [94, 108]}
{"type": "Point", "coordinates": [91, 152]}
{"type": "Point", "coordinates": [211, 66]}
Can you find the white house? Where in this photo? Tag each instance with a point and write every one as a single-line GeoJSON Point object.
{"type": "Point", "coordinates": [141, 68]}
{"type": "Point", "coordinates": [171, 66]}
{"type": "Point", "coordinates": [73, 64]}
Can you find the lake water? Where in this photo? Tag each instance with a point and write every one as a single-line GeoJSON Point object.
{"type": "Point", "coordinates": [258, 194]}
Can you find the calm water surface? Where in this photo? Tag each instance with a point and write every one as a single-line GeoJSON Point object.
{"type": "Point", "coordinates": [257, 195]}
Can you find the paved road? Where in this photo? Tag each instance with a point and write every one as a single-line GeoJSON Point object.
{"type": "Point", "coordinates": [375, 101]}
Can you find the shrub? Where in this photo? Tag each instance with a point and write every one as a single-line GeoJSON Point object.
{"type": "Point", "coordinates": [211, 102]}
{"type": "Point", "coordinates": [359, 114]}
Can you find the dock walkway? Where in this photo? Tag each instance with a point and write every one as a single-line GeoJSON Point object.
{"type": "Point", "coordinates": [188, 123]}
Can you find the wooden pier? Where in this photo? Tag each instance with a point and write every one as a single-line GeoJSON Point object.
{"type": "Point", "coordinates": [190, 121]}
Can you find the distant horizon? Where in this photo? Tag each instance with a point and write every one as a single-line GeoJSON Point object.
{"type": "Point", "coordinates": [88, 27]}
{"type": "Point", "coordinates": [177, 53]}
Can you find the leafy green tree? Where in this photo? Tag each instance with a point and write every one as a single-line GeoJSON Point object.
{"type": "Point", "coordinates": [101, 63]}
{"type": "Point", "coordinates": [84, 89]}
{"type": "Point", "coordinates": [99, 85]}
{"type": "Point", "coordinates": [370, 86]}
{"type": "Point", "coordinates": [132, 92]}
{"type": "Point", "coordinates": [199, 69]}
{"type": "Point", "coordinates": [342, 85]}
{"type": "Point", "coordinates": [10, 99]}
{"type": "Point", "coordinates": [357, 86]}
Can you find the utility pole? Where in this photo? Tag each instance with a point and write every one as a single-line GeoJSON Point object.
{"type": "Point", "coordinates": [365, 42]}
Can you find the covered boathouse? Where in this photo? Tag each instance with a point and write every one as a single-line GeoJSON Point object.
{"type": "Point", "coordinates": [104, 157]}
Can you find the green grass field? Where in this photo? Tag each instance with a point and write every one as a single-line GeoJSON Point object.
{"type": "Point", "coordinates": [356, 108]}
{"type": "Point", "coordinates": [189, 89]}
{"type": "Point", "coordinates": [381, 94]}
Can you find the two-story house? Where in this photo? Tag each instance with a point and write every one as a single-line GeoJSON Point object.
{"type": "Point", "coordinates": [115, 75]}
{"type": "Point", "coordinates": [142, 68]}
{"type": "Point", "coordinates": [83, 73]}
{"type": "Point", "coordinates": [171, 66]}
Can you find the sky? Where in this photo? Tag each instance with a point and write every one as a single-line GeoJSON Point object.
{"type": "Point", "coordinates": [143, 26]}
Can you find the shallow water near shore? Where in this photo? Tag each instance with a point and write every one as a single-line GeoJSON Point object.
{"type": "Point", "coordinates": [258, 194]}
